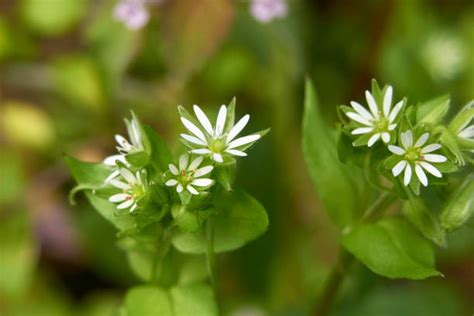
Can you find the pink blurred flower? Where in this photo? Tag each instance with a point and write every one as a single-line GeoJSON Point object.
{"type": "Point", "coordinates": [132, 12]}
{"type": "Point", "coordinates": [266, 10]}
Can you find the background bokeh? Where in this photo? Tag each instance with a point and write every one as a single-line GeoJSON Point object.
{"type": "Point", "coordinates": [69, 73]}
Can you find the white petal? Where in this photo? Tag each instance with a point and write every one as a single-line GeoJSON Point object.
{"type": "Point", "coordinates": [201, 151]}
{"type": "Point", "coordinates": [430, 148]}
{"type": "Point", "coordinates": [125, 204]}
{"type": "Point", "coordinates": [173, 169]}
{"type": "Point", "coordinates": [468, 132]}
{"type": "Point", "coordinates": [243, 141]}
{"type": "Point", "coordinates": [435, 158]}
{"type": "Point", "coordinates": [193, 129]}
{"type": "Point", "coordinates": [217, 157]}
{"type": "Point", "coordinates": [372, 104]}
{"type": "Point", "coordinates": [194, 140]}
{"type": "Point", "coordinates": [387, 101]}
{"type": "Point", "coordinates": [202, 182]}
{"type": "Point", "coordinates": [195, 163]}
{"type": "Point", "coordinates": [236, 152]}
{"type": "Point", "coordinates": [128, 175]}
{"type": "Point", "coordinates": [183, 162]}
{"type": "Point", "coordinates": [391, 127]}
{"type": "Point", "coordinates": [112, 160]}
{"type": "Point", "coordinates": [113, 175]}
{"type": "Point", "coordinates": [385, 137]}
{"type": "Point", "coordinates": [399, 167]}
{"type": "Point", "coordinates": [192, 190]}
{"type": "Point", "coordinates": [220, 122]}
{"type": "Point", "coordinates": [123, 142]}
{"type": "Point", "coordinates": [359, 119]}
{"type": "Point", "coordinates": [407, 139]}
{"type": "Point", "coordinates": [134, 134]}
{"type": "Point", "coordinates": [395, 111]}
{"type": "Point", "coordinates": [373, 139]}
{"type": "Point", "coordinates": [203, 171]}
{"type": "Point", "coordinates": [238, 127]}
{"type": "Point", "coordinates": [407, 175]}
{"type": "Point", "coordinates": [203, 119]}
{"type": "Point", "coordinates": [120, 197]}
{"type": "Point", "coordinates": [134, 206]}
{"type": "Point", "coordinates": [396, 150]}
{"type": "Point", "coordinates": [171, 183]}
{"type": "Point", "coordinates": [361, 110]}
{"type": "Point", "coordinates": [179, 188]}
{"type": "Point", "coordinates": [421, 175]}
{"type": "Point", "coordinates": [431, 169]}
{"type": "Point", "coordinates": [422, 140]}
{"type": "Point", "coordinates": [362, 130]}
{"type": "Point", "coordinates": [119, 184]}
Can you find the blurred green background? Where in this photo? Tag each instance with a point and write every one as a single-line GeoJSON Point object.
{"type": "Point", "coordinates": [69, 72]}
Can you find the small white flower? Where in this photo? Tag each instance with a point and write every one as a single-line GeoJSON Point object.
{"type": "Point", "coordinates": [266, 10]}
{"type": "Point", "coordinates": [378, 123]}
{"type": "Point", "coordinates": [189, 176]}
{"type": "Point", "coordinates": [416, 156]}
{"type": "Point", "coordinates": [133, 188]}
{"type": "Point", "coordinates": [132, 13]}
{"type": "Point", "coordinates": [214, 141]}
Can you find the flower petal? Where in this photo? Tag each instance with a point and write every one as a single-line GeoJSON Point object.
{"type": "Point", "coordinates": [134, 134]}
{"type": "Point", "coordinates": [468, 132]}
{"type": "Point", "coordinates": [220, 122]}
{"type": "Point", "coordinates": [387, 101]}
{"type": "Point", "coordinates": [236, 152]}
{"type": "Point", "coordinates": [238, 127]}
{"type": "Point", "coordinates": [407, 175]}
{"type": "Point", "coordinates": [134, 206]}
{"type": "Point", "coordinates": [395, 111]}
{"type": "Point", "coordinates": [422, 140]}
{"type": "Point", "coordinates": [421, 175]}
{"type": "Point", "coordinates": [396, 150]}
{"type": "Point", "coordinates": [373, 139]}
{"type": "Point", "coordinates": [173, 169]}
{"type": "Point", "coordinates": [193, 129]}
{"type": "Point", "coordinates": [431, 169]}
{"type": "Point", "coordinates": [359, 119]}
{"type": "Point", "coordinates": [361, 110]}
{"type": "Point", "coordinates": [385, 137]}
{"type": "Point", "coordinates": [195, 163]}
{"type": "Point", "coordinates": [203, 171]}
{"type": "Point", "coordinates": [179, 188]}
{"type": "Point", "coordinates": [171, 183]}
{"type": "Point", "coordinates": [407, 139]}
{"type": "Point", "coordinates": [128, 175]}
{"type": "Point", "coordinates": [202, 182]}
{"type": "Point", "coordinates": [362, 130]}
{"type": "Point", "coordinates": [201, 151]}
{"type": "Point", "coordinates": [125, 204]}
{"type": "Point", "coordinates": [430, 148]}
{"type": "Point", "coordinates": [217, 157]}
{"type": "Point", "coordinates": [391, 127]}
{"type": "Point", "coordinates": [202, 118]}
{"type": "Point", "coordinates": [112, 160]}
{"type": "Point", "coordinates": [435, 158]}
{"type": "Point", "coordinates": [183, 162]}
{"type": "Point", "coordinates": [372, 104]}
{"type": "Point", "coordinates": [113, 175]}
{"type": "Point", "coordinates": [192, 190]}
{"type": "Point", "coordinates": [123, 142]}
{"type": "Point", "coordinates": [194, 140]}
{"type": "Point", "coordinates": [243, 141]}
{"type": "Point", "coordinates": [119, 184]}
{"type": "Point", "coordinates": [399, 168]}
{"type": "Point", "coordinates": [120, 197]}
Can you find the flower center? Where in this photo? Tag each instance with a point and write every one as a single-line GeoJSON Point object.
{"type": "Point", "coordinates": [413, 154]}
{"type": "Point", "coordinates": [185, 177]}
{"type": "Point", "coordinates": [381, 125]}
{"type": "Point", "coordinates": [137, 192]}
{"type": "Point", "coordinates": [217, 145]}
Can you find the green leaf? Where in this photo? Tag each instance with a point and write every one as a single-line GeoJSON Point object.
{"type": "Point", "coordinates": [148, 301]}
{"type": "Point", "coordinates": [433, 111]}
{"type": "Point", "coordinates": [109, 212]}
{"type": "Point", "coordinates": [460, 206]}
{"type": "Point", "coordinates": [340, 187]}
{"type": "Point", "coordinates": [86, 173]}
{"type": "Point", "coordinates": [160, 153]}
{"type": "Point", "coordinates": [392, 248]}
{"type": "Point", "coordinates": [193, 299]}
{"type": "Point", "coordinates": [239, 219]}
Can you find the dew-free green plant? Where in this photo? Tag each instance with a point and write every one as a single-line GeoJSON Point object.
{"type": "Point", "coordinates": [173, 213]}
{"type": "Point", "coordinates": [414, 160]}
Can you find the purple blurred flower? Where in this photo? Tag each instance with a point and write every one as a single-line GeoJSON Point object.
{"type": "Point", "coordinates": [132, 12]}
{"type": "Point", "coordinates": [266, 10]}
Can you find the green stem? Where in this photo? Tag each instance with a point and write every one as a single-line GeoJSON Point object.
{"type": "Point", "coordinates": [210, 251]}
{"type": "Point", "coordinates": [161, 251]}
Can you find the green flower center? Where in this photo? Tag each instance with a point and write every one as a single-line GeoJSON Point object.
{"type": "Point", "coordinates": [137, 192]}
{"type": "Point", "coordinates": [413, 154]}
{"type": "Point", "coordinates": [381, 125]}
{"type": "Point", "coordinates": [185, 177]}
{"type": "Point", "coordinates": [217, 145]}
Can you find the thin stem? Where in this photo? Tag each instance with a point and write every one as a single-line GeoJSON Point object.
{"type": "Point", "coordinates": [161, 251]}
{"type": "Point", "coordinates": [210, 251]}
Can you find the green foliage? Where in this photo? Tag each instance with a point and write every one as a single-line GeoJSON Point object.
{"type": "Point", "coordinates": [238, 219]}
{"type": "Point", "coordinates": [391, 248]}
{"type": "Point", "coordinates": [433, 111]}
{"type": "Point", "coordinates": [460, 206]}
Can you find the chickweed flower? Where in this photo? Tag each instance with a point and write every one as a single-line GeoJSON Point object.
{"type": "Point", "coordinates": [217, 141]}
{"type": "Point", "coordinates": [189, 176]}
{"type": "Point", "coordinates": [380, 121]}
{"type": "Point", "coordinates": [416, 156]}
{"type": "Point", "coordinates": [133, 188]}
{"type": "Point", "coordinates": [132, 13]}
{"type": "Point", "coordinates": [266, 10]}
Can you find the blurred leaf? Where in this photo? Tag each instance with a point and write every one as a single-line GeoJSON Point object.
{"type": "Point", "coordinates": [433, 111]}
{"type": "Point", "coordinates": [12, 181]}
{"type": "Point", "coordinates": [392, 248]}
{"type": "Point", "coordinates": [18, 254]}
{"type": "Point", "coordinates": [460, 206]}
{"type": "Point", "coordinates": [338, 185]}
{"type": "Point", "coordinates": [87, 173]}
{"type": "Point", "coordinates": [161, 155]}
{"type": "Point", "coordinates": [148, 301]}
{"type": "Point", "coordinates": [27, 124]}
{"type": "Point", "coordinates": [192, 31]}
{"type": "Point", "coordinates": [239, 219]}
{"type": "Point", "coordinates": [51, 17]}
{"type": "Point", "coordinates": [193, 299]}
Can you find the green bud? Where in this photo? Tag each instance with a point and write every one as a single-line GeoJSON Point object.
{"type": "Point", "coordinates": [186, 220]}
{"type": "Point", "coordinates": [460, 206]}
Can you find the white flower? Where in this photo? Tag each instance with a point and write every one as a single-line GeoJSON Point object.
{"type": "Point", "coordinates": [378, 123]}
{"type": "Point", "coordinates": [132, 13]}
{"type": "Point", "coordinates": [133, 188]}
{"type": "Point", "coordinates": [416, 157]}
{"type": "Point", "coordinates": [266, 10]}
{"type": "Point", "coordinates": [214, 141]}
{"type": "Point", "coordinates": [189, 176]}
